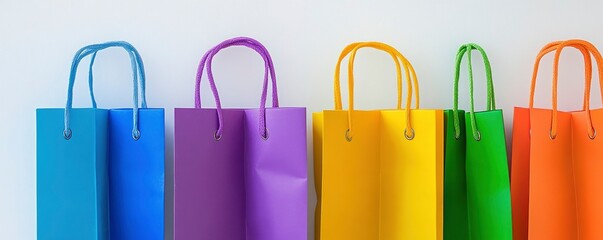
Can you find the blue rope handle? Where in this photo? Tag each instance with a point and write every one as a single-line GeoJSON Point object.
{"type": "Point", "coordinates": [138, 79]}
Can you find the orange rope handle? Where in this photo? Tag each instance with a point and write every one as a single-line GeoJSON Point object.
{"type": "Point", "coordinates": [552, 47]}
{"type": "Point", "coordinates": [587, 49]}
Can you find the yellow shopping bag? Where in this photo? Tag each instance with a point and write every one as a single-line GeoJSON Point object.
{"type": "Point", "coordinates": [379, 173]}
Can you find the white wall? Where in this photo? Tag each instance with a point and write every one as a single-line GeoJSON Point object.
{"type": "Point", "coordinates": [39, 38]}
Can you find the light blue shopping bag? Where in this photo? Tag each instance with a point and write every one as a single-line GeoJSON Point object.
{"type": "Point", "coordinates": [101, 169]}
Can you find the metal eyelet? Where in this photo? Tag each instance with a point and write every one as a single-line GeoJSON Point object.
{"type": "Point", "coordinates": [347, 135]}
{"type": "Point", "coordinates": [135, 134]}
{"type": "Point", "coordinates": [267, 135]}
{"type": "Point", "coordinates": [67, 134]}
{"type": "Point", "coordinates": [216, 136]}
{"type": "Point", "coordinates": [479, 136]}
{"type": "Point", "coordinates": [594, 134]}
{"type": "Point", "coordinates": [412, 136]}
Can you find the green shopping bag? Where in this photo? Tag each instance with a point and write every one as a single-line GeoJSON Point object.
{"type": "Point", "coordinates": [477, 197]}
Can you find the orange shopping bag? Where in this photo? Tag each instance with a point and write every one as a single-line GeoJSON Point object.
{"type": "Point", "coordinates": [556, 162]}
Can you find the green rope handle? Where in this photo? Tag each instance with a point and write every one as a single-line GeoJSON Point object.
{"type": "Point", "coordinates": [491, 104]}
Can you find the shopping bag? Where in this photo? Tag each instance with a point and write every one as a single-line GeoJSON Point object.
{"type": "Point", "coordinates": [379, 173]}
{"type": "Point", "coordinates": [240, 173]}
{"type": "Point", "coordinates": [554, 169]}
{"type": "Point", "coordinates": [136, 154]}
{"type": "Point", "coordinates": [477, 197]}
{"type": "Point", "coordinates": [76, 158]}
{"type": "Point", "coordinates": [520, 167]}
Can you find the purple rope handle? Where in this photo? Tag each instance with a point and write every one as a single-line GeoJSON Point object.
{"type": "Point", "coordinates": [206, 61]}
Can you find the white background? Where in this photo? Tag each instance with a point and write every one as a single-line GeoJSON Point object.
{"type": "Point", "coordinates": [38, 40]}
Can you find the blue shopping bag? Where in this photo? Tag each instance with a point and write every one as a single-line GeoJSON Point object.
{"type": "Point", "coordinates": [106, 170]}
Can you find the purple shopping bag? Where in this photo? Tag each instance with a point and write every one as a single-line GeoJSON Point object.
{"type": "Point", "coordinates": [240, 174]}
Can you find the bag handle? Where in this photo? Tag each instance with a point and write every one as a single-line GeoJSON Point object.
{"type": "Point", "coordinates": [491, 103]}
{"type": "Point", "coordinates": [206, 61]}
{"type": "Point", "coordinates": [378, 46]}
{"type": "Point", "coordinates": [397, 57]}
{"type": "Point", "coordinates": [580, 45]}
{"type": "Point", "coordinates": [137, 73]}
{"type": "Point", "coordinates": [552, 46]}
{"type": "Point", "coordinates": [592, 133]}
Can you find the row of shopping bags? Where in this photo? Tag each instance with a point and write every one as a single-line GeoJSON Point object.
{"type": "Point", "coordinates": [403, 173]}
{"type": "Point", "coordinates": [411, 173]}
{"type": "Point", "coordinates": [240, 174]}
{"type": "Point", "coordinates": [443, 174]}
